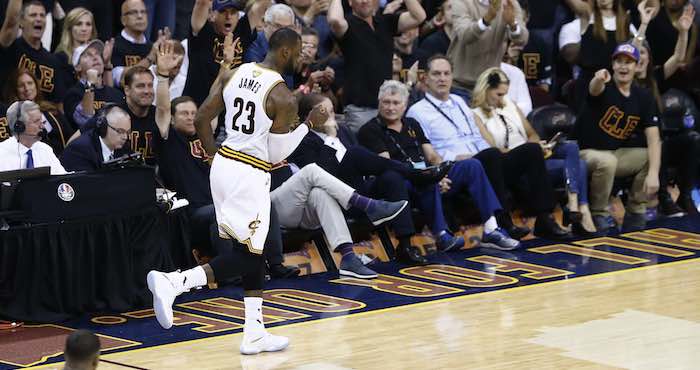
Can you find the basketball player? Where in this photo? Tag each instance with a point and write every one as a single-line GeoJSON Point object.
{"type": "Point", "coordinates": [260, 110]}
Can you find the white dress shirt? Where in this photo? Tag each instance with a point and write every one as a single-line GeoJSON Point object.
{"type": "Point", "coordinates": [13, 156]}
{"type": "Point", "coordinates": [335, 143]}
{"type": "Point", "coordinates": [106, 152]}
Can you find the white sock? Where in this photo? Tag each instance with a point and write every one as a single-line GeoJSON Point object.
{"type": "Point", "coordinates": [194, 277]}
{"type": "Point", "coordinates": [253, 315]}
{"type": "Point", "coordinates": [490, 225]}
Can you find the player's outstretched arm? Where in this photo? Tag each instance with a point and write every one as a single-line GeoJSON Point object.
{"type": "Point", "coordinates": [210, 109]}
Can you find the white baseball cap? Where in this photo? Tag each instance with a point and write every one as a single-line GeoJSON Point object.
{"type": "Point", "coordinates": [78, 52]}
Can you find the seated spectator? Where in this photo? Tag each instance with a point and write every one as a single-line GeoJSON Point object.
{"type": "Point", "coordinates": [335, 149]}
{"type": "Point", "coordinates": [366, 40]}
{"type": "Point", "coordinates": [313, 198]}
{"type": "Point", "coordinates": [79, 29]}
{"type": "Point", "coordinates": [22, 85]}
{"type": "Point", "coordinates": [458, 134]}
{"type": "Point", "coordinates": [510, 129]}
{"type": "Point", "coordinates": [480, 33]}
{"type": "Point", "coordinates": [90, 93]}
{"type": "Point", "coordinates": [24, 148]}
{"type": "Point", "coordinates": [131, 47]}
{"type": "Point", "coordinates": [103, 143]}
{"type": "Point", "coordinates": [82, 350]}
{"type": "Point", "coordinates": [614, 109]}
{"type": "Point", "coordinates": [26, 52]}
{"type": "Point", "coordinates": [678, 142]}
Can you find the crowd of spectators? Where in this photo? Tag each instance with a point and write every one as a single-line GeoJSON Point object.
{"type": "Point", "coordinates": [435, 99]}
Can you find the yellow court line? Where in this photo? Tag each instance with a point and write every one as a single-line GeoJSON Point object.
{"type": "Point", "coordinates": [410, 305]}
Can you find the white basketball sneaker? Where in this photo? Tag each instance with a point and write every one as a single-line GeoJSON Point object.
{"type": "Point", "coordinates": [263, 342]}
{"type": "Point", "coordinates": [164, 287]}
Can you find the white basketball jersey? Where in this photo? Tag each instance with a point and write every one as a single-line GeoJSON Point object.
{"type": "Point", "coordinates": [247, 124]}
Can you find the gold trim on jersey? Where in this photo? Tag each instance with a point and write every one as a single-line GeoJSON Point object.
{"type": "Point", "coordinates": [248, 159]}
{"type": "Point", "coordinates": [229, 234]}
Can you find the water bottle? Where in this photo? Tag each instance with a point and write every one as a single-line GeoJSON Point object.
{"type": "Point", "coordinates": [688, 120]}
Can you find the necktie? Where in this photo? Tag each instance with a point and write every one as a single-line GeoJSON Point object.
{"type": "Point", "coordinates": [30, 159]}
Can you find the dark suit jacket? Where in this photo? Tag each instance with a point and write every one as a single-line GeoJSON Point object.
{"type": "Point", "coordinates": [313, 150]}
{"type": "Point", "coordinates": [85, 153]}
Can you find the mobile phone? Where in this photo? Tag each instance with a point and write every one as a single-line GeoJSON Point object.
{"type": "Point", "coordinates": [555, 138]}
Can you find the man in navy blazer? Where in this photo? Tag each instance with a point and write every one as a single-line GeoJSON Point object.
{"type": "Point", "coordinates": [101, 144]}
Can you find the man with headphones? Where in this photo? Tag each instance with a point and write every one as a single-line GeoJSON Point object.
{"type": "Point", "coordinates": [24, 148]}
{"type": "Point", "coordinates": [101, 144]}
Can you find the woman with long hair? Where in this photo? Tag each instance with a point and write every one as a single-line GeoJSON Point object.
{"type": "Point", "coordinates": [22, 85]}
{"type": "Point", "coordinates": [510, 129]}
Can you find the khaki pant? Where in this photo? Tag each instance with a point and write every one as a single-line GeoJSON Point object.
{"type": "Point", "coordinates": [606, 165]}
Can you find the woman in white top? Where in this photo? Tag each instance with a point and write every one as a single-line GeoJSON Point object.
{"type": "Point", "coordinates": [510, 129]}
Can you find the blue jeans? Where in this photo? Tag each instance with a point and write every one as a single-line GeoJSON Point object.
{"type": "Point", "coordinates": [161, 14]}
{"type": "Point", "coordinates": [566, 166]}
{"type": "Point", "coordinates": [469, 175]}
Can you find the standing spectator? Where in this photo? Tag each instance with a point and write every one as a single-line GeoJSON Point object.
{"type": "Point", "coordinates": [211, 21]}
{"type": "Point", "coordinates": [78, 29]}
{"type": "Point", "coordinates": [22, 85]}
{"type": "Point", "coordinates": [103, 12]}
{"type": "Point", "coordinates": [138, 88]}
{"type": "Point", "coordinates": [131, 46]}
{"type": "Point", "coordinates": [24, 148]}
{"type": "Point", "coordinates": [102, 144]}
{"type": "Point", "coordinates": [90, 93]}
{"type": "Point", "coordinates": [312, 13]}
{"type": "Point", "coordinates": [366, 41]}
{"type": "Point", "coordinates": [438, 42]}
{"type": "Point", "coordinates": [614, 109]}
{"type": "Point", "coordinates": [161, 15]}
{"type": "Point", "coordinates": [277, 16]}
{"type": "Point", "coordinates": [82, 350]}
{"type": "Point", "coordinates": [313, 75]}
{"type": "Point", "coordinates": [481, 29]}
{"type": "Point", "coordinates": [176, 77]}
{"type": "Point", "coordinates": [26, 52]}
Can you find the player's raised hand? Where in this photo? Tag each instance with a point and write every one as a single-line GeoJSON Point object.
{"type": "Point", "coordinates": [603, 75]}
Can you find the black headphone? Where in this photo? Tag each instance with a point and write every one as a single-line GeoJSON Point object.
{"type": "Point", "coordinates": [19, 126]}
{"type": "Point", "coordinates": [101, 124]}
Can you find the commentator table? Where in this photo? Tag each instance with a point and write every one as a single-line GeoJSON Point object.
{"type": "Point", "coordinates": [54, 270]}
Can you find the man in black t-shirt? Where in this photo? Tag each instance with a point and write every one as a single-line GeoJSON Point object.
{"type": "Point", "coordinates": [131, 47]}
{"type": "Point", "coordinates": [367, 43]}
{"type": "Point", "coordinates": [211, 22]}
{"type": "Point", "coordinates": [138, 88]}
{"type": "Point", "coordinates": [26, 51]}
{"type": "Point", "coordinates": [614, 110]}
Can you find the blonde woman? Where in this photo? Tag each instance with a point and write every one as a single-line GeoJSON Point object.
{"type": "Point", "coordinates": [78, 29]}
{"type": "Point", "coordinates": [510, 129]}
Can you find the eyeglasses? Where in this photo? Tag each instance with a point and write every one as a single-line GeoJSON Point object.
{"type": "Point", "coordinates": [120, 131]}
{"type": "Point", "coordinates": [136, 12]}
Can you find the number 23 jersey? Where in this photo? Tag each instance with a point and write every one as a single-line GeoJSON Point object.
{"type": "Point", "coordinates": [247, 123]}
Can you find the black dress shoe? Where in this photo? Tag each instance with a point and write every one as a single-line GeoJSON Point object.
{"type": "Point", "coordinates": [546, 228]}
{"type": "Point", "coordinates": [280, 271]}
{"type": "Point", "coordinates": [518, 232]}
{"type": "Point", "coordinates": [578, 230]}
{"type": "Point", "coordinates": [410, 255]}
{"type": "Point", "coordinates": [430, 175]}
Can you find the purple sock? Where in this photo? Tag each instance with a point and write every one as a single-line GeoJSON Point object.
{"type": "Point", "coordinates": [361, 202]}
{"type": "Point", "coordinates": [345, 249]}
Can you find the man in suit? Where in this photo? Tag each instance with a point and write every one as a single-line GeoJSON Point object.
{"type": "Point", "coordinates": [334, 149]}
{"type": "Point", "coordinates": [105, 142]}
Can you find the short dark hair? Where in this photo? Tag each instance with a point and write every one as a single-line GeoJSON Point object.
{"type": "Point", "coordinates": [180, 99]}
{"type": "Point", "coordinates": [308, 31]}
{"type": "Point", "coordinates": [26, 4]}
{"type": "Point", "coordinates": [82, 346]}
{"type": "Point", "coordinates": [284, 37]}
{"type": "Point", "coordinates": [131, 73]}
{"type": "Point", "coordinates": [436, 57]}
{"type": "Point", "coordinates": [307, 103]}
